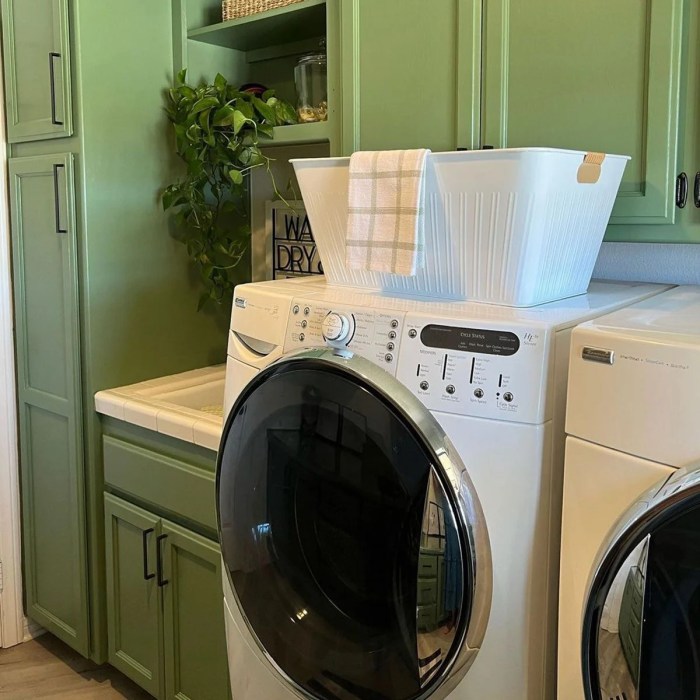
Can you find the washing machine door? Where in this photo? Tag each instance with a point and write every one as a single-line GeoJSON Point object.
{"type": "Point", "coordinates": [641, 626]}
{"type": "Point", "coordinates": [353, 540]}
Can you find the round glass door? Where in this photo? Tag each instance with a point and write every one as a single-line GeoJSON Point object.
{"type": "Point", "coordinates": [360, 568]}
{"type": "Point", "coordinates": [641, 631]}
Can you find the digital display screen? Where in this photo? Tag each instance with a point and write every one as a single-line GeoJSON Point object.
{"type": "Point", "coordinates": [476, 340]}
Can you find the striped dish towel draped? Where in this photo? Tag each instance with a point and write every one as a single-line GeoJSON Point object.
{"type": "Point", "coordinates": [386, 212]}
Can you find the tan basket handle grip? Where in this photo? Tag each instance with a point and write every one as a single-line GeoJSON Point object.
{"type": "Point", "coordinates": [589, 170]}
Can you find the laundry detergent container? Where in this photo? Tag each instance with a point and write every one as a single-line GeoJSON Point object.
{"type": "Point", "coordinates": [518, 226]}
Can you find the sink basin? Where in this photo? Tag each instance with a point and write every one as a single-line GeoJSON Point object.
{"type": "Point", "coordinates": [187, 406]}
{"type": "Point", "coordinates": [208, 398]}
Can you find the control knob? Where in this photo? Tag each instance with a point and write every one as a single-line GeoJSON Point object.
{"type": "Point", "coordinates": [336, 327]}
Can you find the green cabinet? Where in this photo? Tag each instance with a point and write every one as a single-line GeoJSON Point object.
{"type": "Point", "coordinates": [134, 612]}
{"type": "Point", "coordinates": [410, 74]}
{"type": "Point", "coordinates": [165, 605]}
{"type": "Point", "coordinates": [104, 294]}
{"type": "Point", "coordinates": [164, 572]}
{"type": "Point", "coordinates": [196, 665]}
{"type": "Point", "coordinates": [37, 69]}
{"type": "Point", "coordinates": [614, 77]}
{"type": "Point", "coordinates": [686, 228]}
{"type": "Point", "coordinates": [599, 75]}
{"type": "Point", "coordinates": [44, 247]}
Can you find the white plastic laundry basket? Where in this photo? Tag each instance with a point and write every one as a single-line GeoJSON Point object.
{"type": "Point", "coordinates": [511, 226]}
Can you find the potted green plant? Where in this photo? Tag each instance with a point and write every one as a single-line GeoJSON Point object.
{"type": "Point", "coordinates": [217, 135]}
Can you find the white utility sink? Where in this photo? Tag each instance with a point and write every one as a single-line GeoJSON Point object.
{"type": "Point", "coordinates": [208, 398]}
{"type": "Point", "coordinates": [188, 406]}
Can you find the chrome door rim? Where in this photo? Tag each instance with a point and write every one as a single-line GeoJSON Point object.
{"type": "Point", "coordinates": [456, 480]}
{"type": "Point", "coordinates": [655, 508]}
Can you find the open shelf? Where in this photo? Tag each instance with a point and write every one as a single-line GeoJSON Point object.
{"type": "Point", "coordinates": [298, 21]}
{"type": "Point", "coordinates": [295, 134]}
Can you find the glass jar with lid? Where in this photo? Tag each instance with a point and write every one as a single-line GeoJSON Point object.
{"type": "Point", "coordinates": [310, 78]}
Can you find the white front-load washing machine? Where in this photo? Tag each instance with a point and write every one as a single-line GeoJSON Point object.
{"type": "Point", "coordinates": [629, 620]}
{"type": "Point", "coordinates": [362, 559]}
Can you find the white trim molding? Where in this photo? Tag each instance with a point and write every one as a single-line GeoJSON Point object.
{"type": "Point", "coordinates": [12, 622]}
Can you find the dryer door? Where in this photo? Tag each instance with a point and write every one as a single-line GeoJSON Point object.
{"type": "Point", "coordinates": [641, 627]}
{"type": "Point", "coordinates": [351, 534]}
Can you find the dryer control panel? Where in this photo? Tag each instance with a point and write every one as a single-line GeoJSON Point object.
{"type": "Point", "coordinates": [465, 367]}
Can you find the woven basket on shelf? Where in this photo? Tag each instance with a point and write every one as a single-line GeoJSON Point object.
{"type": "Point", "coordinates": [233, 9]}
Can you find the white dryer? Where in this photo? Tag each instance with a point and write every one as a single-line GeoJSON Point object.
{"type": "Point", "coordinates": [629, 621]}
{"type": "Point", "coordinates": [362, 560]}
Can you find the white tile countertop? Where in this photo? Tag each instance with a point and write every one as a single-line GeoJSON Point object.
{"type": "Point", "coordinates": [187, 406]}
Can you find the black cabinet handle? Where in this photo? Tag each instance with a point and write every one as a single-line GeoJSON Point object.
{"type": "Point", "coordinates": [145, 534]}
{"type": "Point", "coordinates": [52, 79]}
{"type": "Point", "coordinates": [696, 190]}
{"type": "Point", "coordinates": [159, 561]}
{"type": "Point", "coordinates": [56, 203]}
{"type": "Point", "coordinates": [681, 190]}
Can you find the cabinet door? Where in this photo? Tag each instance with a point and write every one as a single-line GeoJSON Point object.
{"type": "Point", "coordinates": [410, 74]}
{"type": "Point", "coordinates": [134, 615]}
{"type": "Point", "coordinates": [48, 367]}
{"type": "Point", "coordinates": [36, 51]}
{"type": "Point", "coordinates": [196, 666]}
{"type": "Point", "coordinates": [593, 76]}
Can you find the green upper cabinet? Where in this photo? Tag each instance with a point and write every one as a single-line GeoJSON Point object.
{"type": "Point", "coordinates": [410, 74]}
{"type": "Point", "coordinates": [48, 368]}
{"type": "Point", "coordinates": [596, 76]}
{"type": "Point", "coordinates": [37, 69]}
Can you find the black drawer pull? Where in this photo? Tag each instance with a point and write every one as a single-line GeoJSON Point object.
{"type": "Point", "coordinates": [159, 561]}
{"type": "Point", "coordinates": [52, 78]}
{"type": "Point", "coordinates": [56, 204]}
{"type": "Point", "coordinates": [145, 534]}
{"type": "Point", "coordinates": [681, 190]}
{"type": "Point", "coordinates": [696, 190]}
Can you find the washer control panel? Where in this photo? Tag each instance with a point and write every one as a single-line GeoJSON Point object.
{"type": "Point", "coordinates": [482, 370]}
{"type": "Point", "coordinates": [464, 367]}
{"type": "Point", "coordinates": [371, 333]}
{"type": "Point", "coordinates": [338, 328]}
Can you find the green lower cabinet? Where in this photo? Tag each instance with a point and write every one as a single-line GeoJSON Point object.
{"type": "Point", "coordinates": [134, 613]}
{"type": "Point", "coordinates": [164, 605]}
{"type": "Point", "coordinates": [196, 666]}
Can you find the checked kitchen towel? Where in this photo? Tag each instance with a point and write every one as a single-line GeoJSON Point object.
{"type": "Point", "coordinates": [386, 212]}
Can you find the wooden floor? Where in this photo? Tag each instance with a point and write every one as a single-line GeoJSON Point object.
{"type": "Point", "coordinates": [47, 668]}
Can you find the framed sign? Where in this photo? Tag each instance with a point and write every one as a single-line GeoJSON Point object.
{"type": "Point", "coordinates": [291, 250]}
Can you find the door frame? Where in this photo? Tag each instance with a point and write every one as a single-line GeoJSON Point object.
{"type": "Point", "coordinates": [12, 621]}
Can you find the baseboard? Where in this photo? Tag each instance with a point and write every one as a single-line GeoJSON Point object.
{"type": "Point", "coordinates": [32, 630]}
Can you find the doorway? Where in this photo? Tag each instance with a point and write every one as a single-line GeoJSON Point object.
{"type": "Point", "coordinates": [12, 625]}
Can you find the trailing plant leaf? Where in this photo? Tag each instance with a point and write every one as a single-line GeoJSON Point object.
{"type": "Point", "coordinates": [217, 130]}
{"type": "Point", "coordinates": [239, 121]}
{"type": "Point", "coordinates": [266, 130]}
